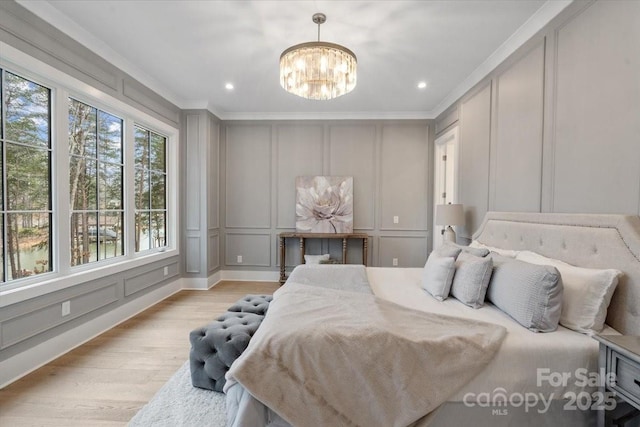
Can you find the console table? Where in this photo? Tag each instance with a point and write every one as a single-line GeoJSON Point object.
{"type": "Point", "coordinates": [303, 236]}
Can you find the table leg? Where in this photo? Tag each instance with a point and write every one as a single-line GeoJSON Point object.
{"type": "Point", "coordinates": [283, 254]}
{"type": "Point", "coordinates": [344, 250]}
{"type": "Point", "coordinates": [365, 250]}
{"type": "Point", "coordinates": [302, 250]}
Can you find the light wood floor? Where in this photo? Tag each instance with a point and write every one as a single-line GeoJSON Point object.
{"type": "Point", "coordinates": [107, 380]}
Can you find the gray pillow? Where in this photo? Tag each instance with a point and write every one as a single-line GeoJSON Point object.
{"type": "Point", "coordinates": [471, 279]}
{"type": "Point", "coordinates": [531, 294]}
{"type": "Point", "coordinates": [480, 252]}
{"type": "Point", "coordinates": [437, 275]}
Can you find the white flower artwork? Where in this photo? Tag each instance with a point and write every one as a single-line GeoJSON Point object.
{"type": "Point", "coordinates": [324, 204]}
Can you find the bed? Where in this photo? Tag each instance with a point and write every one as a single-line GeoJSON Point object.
{"type": "Point", "coordinates": [518, 384]}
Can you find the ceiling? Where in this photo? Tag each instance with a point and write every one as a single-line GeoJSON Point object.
{"type": "Point", "coordinates": [187, 51]}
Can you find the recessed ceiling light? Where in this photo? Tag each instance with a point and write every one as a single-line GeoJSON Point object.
{"type": "Point", "coordinates": [229, 86]}
{"type": "Point", "coordinates": [422, 85]}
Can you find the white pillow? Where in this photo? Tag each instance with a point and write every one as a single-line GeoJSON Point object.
{"type": "Point", "coordinates": [437, 275]}
{"type": "Point", "coordinates": [504, 252]}
{"type": "Point", "coordinates": [315, 259]}
{"type": "Point", "coordinates": [587, 292]}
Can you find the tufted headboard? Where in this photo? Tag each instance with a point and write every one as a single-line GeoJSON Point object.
{"type": "Point", "coordinates": [585, 240]}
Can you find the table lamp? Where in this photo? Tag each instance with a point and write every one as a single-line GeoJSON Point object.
{"type": "Point", "coordinates": [451, 214]}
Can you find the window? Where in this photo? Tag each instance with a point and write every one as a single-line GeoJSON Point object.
{"type": "Point", "coordinates": [150, 189]}
{"type": "Point", "coordinates": [87, 182]}
{"type": "Point", "coordinates": [25, 170]}
{"type": "Point", "coordinates": [95, 184]}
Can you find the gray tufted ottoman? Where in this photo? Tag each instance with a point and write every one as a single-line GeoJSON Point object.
{"type": "Point", "coordinates": [256, 304]}
{"type": "Point", "coordinates": [216, 346]}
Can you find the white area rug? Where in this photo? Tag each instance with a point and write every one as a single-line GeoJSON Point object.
{"type": "Point", "coordinates": [178, 403]}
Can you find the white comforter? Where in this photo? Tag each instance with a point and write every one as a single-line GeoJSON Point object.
{"type": "Point", "coordinates": [330, 357]}
{"type": "Point", "coordinates": [525, 360]}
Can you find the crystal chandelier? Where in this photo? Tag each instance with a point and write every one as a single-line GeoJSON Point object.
{"type": "Point", "coordinates": [318, 70]}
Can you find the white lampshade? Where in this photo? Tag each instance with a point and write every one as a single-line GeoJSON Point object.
{"type": "Point", "coordinates": [451, 214]}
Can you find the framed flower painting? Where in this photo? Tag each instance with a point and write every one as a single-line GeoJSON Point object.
{"type": "Point", "coordinates": [324, 204]}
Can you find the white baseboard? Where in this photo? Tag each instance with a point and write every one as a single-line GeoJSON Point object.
{"type": "Point", "coordinates": [214, 279]}
{"type": "Point", "coordinates": [251, 276]}
{"type": "Point", "coordinates": [201, 283]}
{"type": "Point", "coordinates": [21, 364]}
{"type": "Point", "coordinates": [204, 283]}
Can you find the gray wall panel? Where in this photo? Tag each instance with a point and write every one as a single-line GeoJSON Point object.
{"type": "Point", "coordinates": [213, 175]}
{"type": "Point", "coordinates": [202, 192]}
{"type": "Point", "coordinates": [248, 177]}
{"type": "Point", "coordinates": [149, 278]}
{"type": "Point", "coordinates": [254, 249]}
{"type": "Point", "coordinates": [597, 160]}
{"type": "Point", "coordinates": [88, 301]}
{"type": "Point", "coordinates": [475, 135]}
{"type": "Point", "coordinates": [213, 196]}
{"type": "Point", "coordinates": [193, 155]}
{"type": "Point", "coordinates": [192, 254]}
{"type": "Point", "coordinates": [580, 95]}
{"type": "Point", "coordinates": [299, 150]}
{"type": "Point", "coordinates": [404, 177]}
{"type": "Point", "coordinates": [347, 148]}
{"type": "Point", "coordinates": [214, 252]}
{"type": "Point", "coordinates": [411, 251]}
{"type": "Point", "coordinates": [31, 323]}
{"type": "Point", "coordinates": [518, 138]}
{"type": "Point", "coordinates": [353, 153]}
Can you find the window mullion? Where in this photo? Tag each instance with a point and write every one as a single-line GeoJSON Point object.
{"type": "Point", "coordinates": [98, 195]}
{"type": "Point", "coordinates": [3, 191]}
{"type": "Point", "coordinates": [129, 187]}
{"type": "Point", "coordinates": [60, 187]}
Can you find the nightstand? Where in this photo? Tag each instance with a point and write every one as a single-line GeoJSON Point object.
{"type": "Point", "coordinates": [620, 362]}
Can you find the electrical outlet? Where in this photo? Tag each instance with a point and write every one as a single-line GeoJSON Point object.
{"type": "Point", "coordinates": [239, 260]}
{"type": "Point", "coordinates": [166, 270]}
{"type": "Point", "coordinates": [66, 308]}
{"type": "Point", "coordinates": [395, 262]}
{"type": "Point", "coordinates": [396, 219]}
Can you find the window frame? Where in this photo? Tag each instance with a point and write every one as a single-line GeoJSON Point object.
{"type": "Point", "coordinates": [63, 87]}
{"type": "Point", "coordinates": [166, 174]}
{"type": "Point", "coordinates": [98, 210]}
{"type": "Point", "coordinates": [3, 192]}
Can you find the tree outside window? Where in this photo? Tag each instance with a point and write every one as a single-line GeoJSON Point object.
{"type": "Point", "coordinates": [25, 172]}
{"type": "Point", "coordinates": [95, 183]}
{"type": "Point", "coordinates": [95, 145]}
{"type": "Point", "coordinates": [150, 190]}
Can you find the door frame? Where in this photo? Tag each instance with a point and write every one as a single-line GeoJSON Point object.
{"type": "Point", "coordinates": [448, 143]}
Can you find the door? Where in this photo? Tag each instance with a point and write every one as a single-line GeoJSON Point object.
{"type": "Point", "coordinates": [445, 183]}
